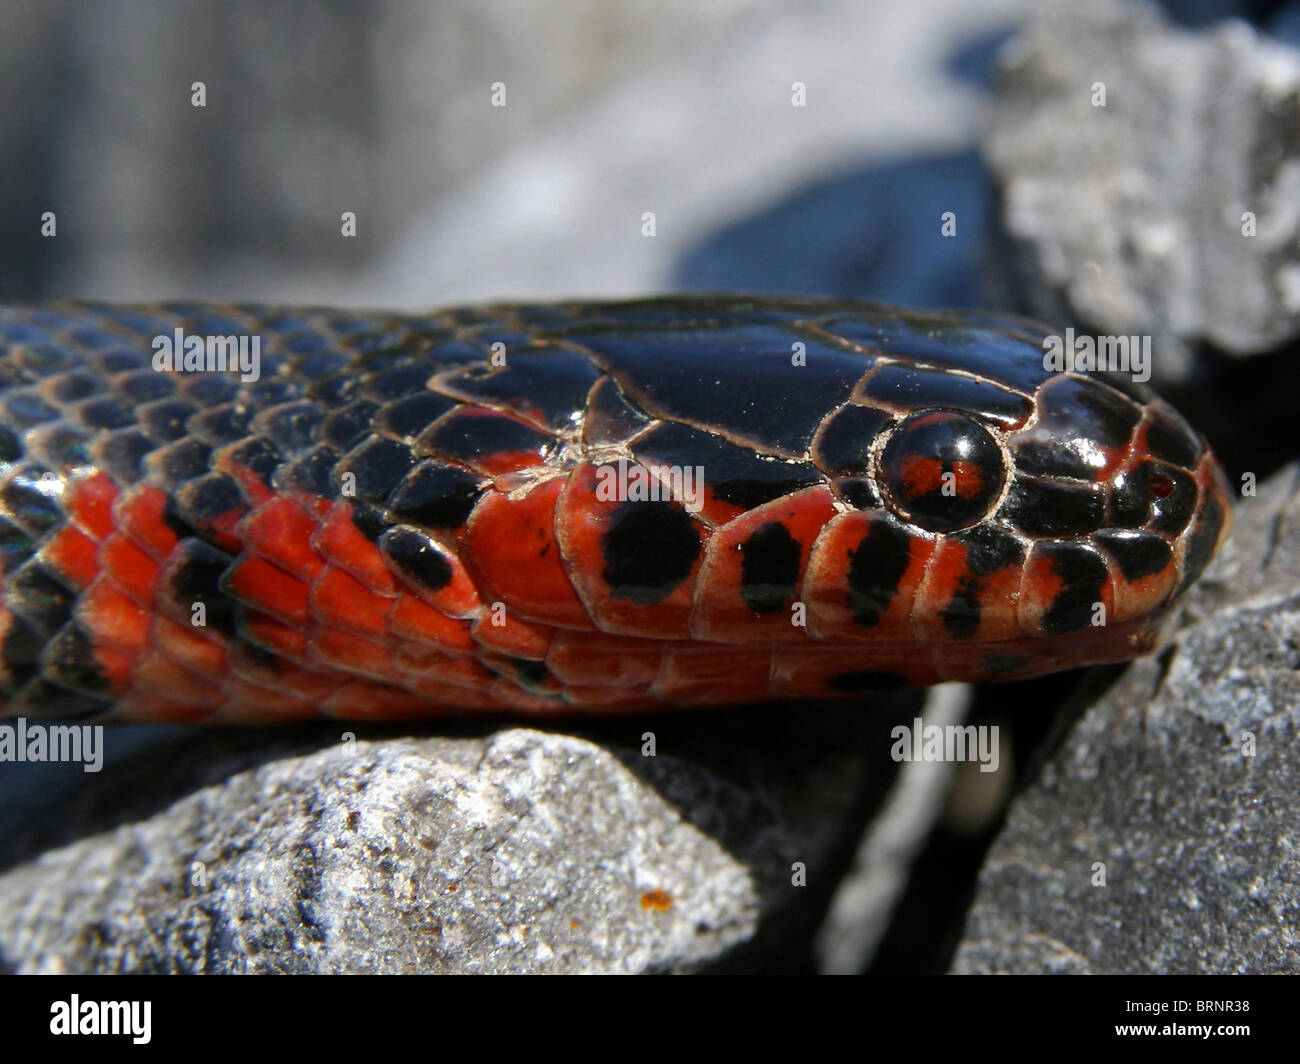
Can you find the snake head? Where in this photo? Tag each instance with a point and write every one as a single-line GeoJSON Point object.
{"type": "Point", "coordinates": [1041, 534]}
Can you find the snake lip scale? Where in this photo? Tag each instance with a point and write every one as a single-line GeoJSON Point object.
{"type": "Point", "coordinates": [403, 516]}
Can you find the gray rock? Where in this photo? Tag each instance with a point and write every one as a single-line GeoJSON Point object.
{"type": "Point", "coordinates": [1127, 218]}
{"type": "Point", "coordinates": [516, 850]}
{"type": "Point", "coordinates": [1181, 781]}
{"type": "Point", "coordinates": [867, 896]}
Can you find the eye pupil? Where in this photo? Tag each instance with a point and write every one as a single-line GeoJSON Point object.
{"type": "Point", "coordinates": [942, 470]}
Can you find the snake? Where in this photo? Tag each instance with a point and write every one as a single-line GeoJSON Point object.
{"type": "Point", "coordinates": [248, 514]}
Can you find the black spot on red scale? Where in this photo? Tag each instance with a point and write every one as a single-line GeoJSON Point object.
{"type": "Point", "coordinates": [193, 575]}
{"type": "Point", "coordinates": [876, 568]}
{"type": "Point", "coordinates": [769, 568]}
{"type": "Point", "coordinates": [250, 654]}
{"type": "Point", "coordinates": [988, 550]}
{"type": "Point", "coordinates": [961, 616]}
{"type": "Point", "coordinates": [416, 556]}
{"type": "Point", "coordinates": [173, 521]}
{"type": "Point", "coordinates": [211, 503]}
{"type": "Point", "coordinates": [648, 550]}
{"type": "Point", "coordinates": [867, 681]}
{"type": "Point", "coordinates": [1082, 572]}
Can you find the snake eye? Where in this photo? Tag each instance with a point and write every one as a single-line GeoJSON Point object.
{"type": "Point", "coordinates": [942, 470]}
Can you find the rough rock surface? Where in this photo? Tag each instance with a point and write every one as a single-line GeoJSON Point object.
{"type": "Point", "coordinates": [1128, 218]}
{"type": "Point", "coordinates": [515, 850]}
{"type": "Point", "coordinates": [1183, 782]}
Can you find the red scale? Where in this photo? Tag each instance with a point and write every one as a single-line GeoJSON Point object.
{"type": "Point", "coordinates": [721, 613]}
{"type": "Point", "coordinates": [584, 521]}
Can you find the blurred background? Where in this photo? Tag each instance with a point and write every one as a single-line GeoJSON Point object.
{"type": "Point", "coordinates": [386, 109]}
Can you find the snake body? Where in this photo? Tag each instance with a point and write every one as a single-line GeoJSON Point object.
{"type": "Point", "coordinates": [570, 508]}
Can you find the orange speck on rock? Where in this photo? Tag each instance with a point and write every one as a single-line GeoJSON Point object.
{"type": "Point", "coordinates": [659, 901]}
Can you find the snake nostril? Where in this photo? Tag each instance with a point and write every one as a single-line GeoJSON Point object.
{"type": "Point", "coordinates": [1160, 485]}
